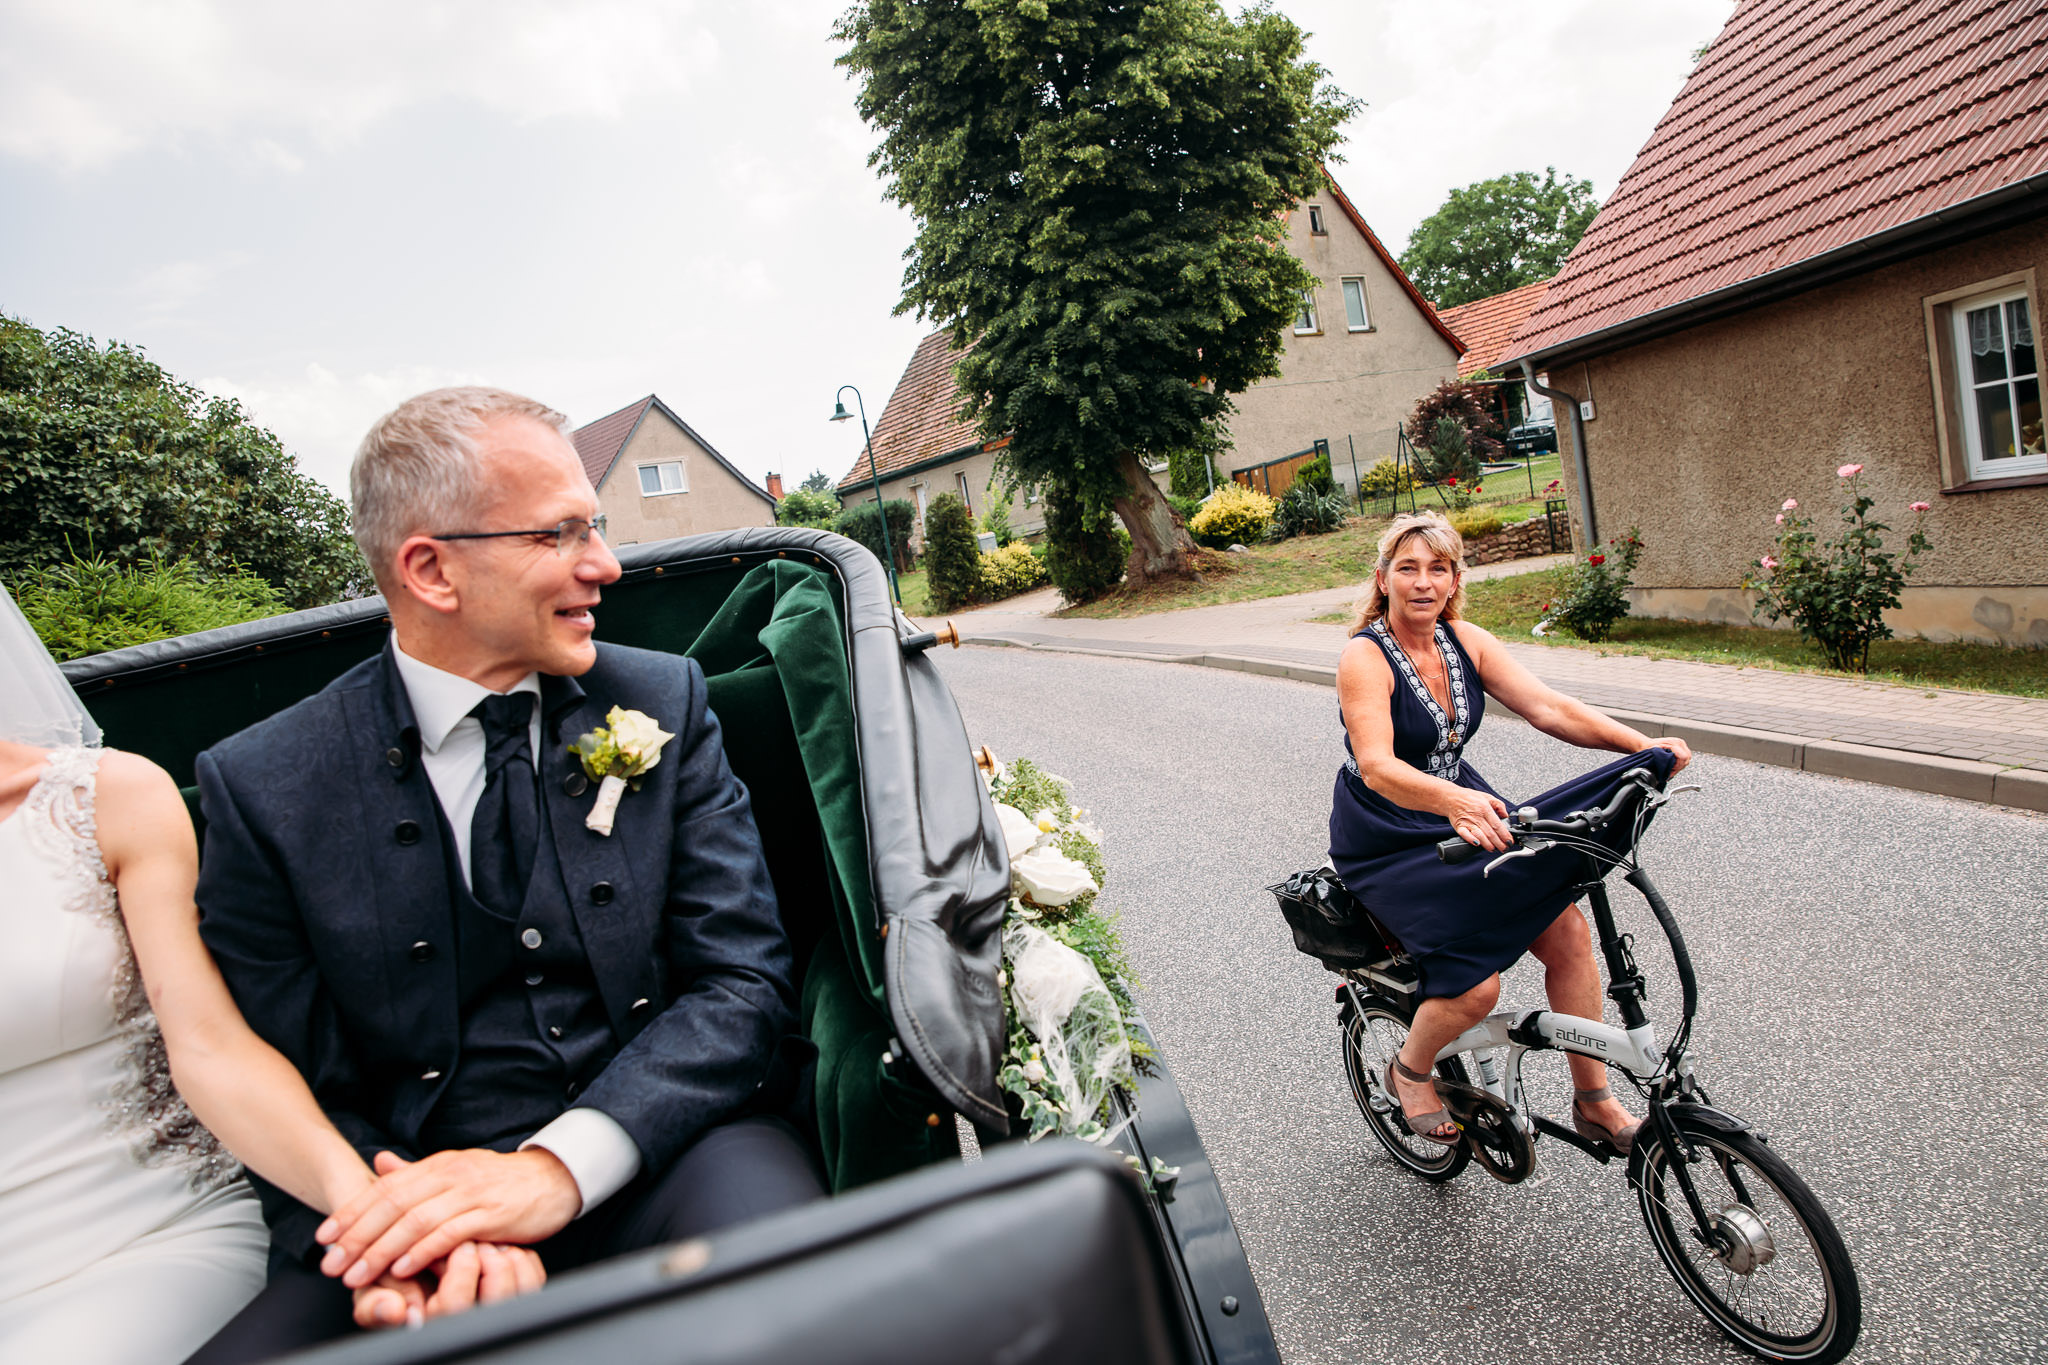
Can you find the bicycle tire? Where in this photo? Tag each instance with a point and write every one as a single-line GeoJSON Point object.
{"type": "Point", "coordinates": [1362, 1061]}
{"type": "Point", "coordinates": [1810, 1281]}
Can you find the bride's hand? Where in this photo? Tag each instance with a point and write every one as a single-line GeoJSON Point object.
{"type": "Point", "coordinates": [1481, 819]}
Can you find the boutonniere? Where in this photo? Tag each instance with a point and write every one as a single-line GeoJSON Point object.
{"type": "Point", "coordinates": [614, 756]}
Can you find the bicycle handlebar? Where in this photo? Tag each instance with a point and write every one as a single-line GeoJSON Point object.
{"type": "Point", "coordinates": [1635, 784]}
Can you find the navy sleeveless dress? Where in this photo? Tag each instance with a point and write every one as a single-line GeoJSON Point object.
{"type": "Point", "coordinates": [1459, 925]}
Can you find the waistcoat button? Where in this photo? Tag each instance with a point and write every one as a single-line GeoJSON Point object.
{"type": "Point", "coordinates": [575, 784]}
{"type": "Point", "coordinates": [601, 894]}
{"type": "Point", "coordinates": [571, 1091]}
{"type": "Point", "coordinates": [640, 1005]}
{"type": "Point", "coordinates": [554, 1030]}
{"type": "Point", "coordinates": [534, 980]}
{"type": "Point", "coordinates": [531, 938]}
{"type": "Point", "coordinates": [395, 756]}
{"type": "Point", "coordinates": [422, 951]}
{"type": "Point", "coordinates": [430, 1075]}
{"type": "Point", "coordinates": [408, 832]}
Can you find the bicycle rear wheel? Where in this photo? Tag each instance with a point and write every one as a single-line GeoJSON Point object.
{"type": "Point", "coordinates": [1371, 1039]}
{"type": "Point", "coordinates": [1778, 1279]}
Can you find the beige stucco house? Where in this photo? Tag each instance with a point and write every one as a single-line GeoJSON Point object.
{"type": "Point", "coordinates": [656, 478]}
{"type": "Point", "coordinates": [1364, 348]}
{"type": "Point", "coordinates": [1830, 252]}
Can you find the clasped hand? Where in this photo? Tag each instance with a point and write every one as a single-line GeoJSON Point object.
{"type": "Point", "coordinates": [418, 1215]}
{"type": "Point", "coordinates": [475, 1272]}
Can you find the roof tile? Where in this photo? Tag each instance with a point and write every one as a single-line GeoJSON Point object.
{"type": "Point", "coordinates": [1487, 325]}
{"type": "Point", "coordinates": [1808, 125]}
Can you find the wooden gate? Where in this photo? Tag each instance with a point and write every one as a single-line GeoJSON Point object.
{"type": "Point", "coordinates": [1275, 477]}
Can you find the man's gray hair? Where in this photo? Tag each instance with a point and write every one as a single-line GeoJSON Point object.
{"type": "Point", "coordinates": [416, 471]}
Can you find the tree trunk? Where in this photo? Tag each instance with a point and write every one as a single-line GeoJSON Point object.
{"type": "Point", "coordinates": [1159, 547]}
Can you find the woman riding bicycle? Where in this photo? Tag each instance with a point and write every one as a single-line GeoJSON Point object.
{"type": "Point", "coordinates": [1412, 687]}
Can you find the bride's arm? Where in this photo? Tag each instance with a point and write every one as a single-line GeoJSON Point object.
{"type": "Point", "coordinates": [243, 1089]}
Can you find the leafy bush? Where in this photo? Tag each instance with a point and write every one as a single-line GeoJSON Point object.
{"type": "Point", "coordinates": [952, 564]}
{"type": "Point", "coordinates": [1185, 507]}
{"type": "Point", "coordinates": [103, 451]}
{"type": "Point", "coordinates": [1187, 474]}
{"type": "Point", "coordinates": [1596, 595]}
{"type": "Point", "coordinates": [1305, 512]}
{"type": "Point", "coordinates": [88, 606]}
{"type": "Point", "coordinates": [1082, 561]}
{"type": "Point", "coordinates": [1836, 591]}
{"type": "Point", "coordinates": [1463, 403]}
{"type": "Point", "coordinates": [1316, 474]}
{"type": "Point", "coordinates": [861, 522]}
{"type": "Point", "coordinates": [1447, 457]}
{"type": "Point", "coordinates": [1009, 571]}
{"type": "Point", "coordinates": [805, 507]}
{"type": "Point", "coordinates": [1475, 525]}
{"type": "Point", "coordinates": [1386, 479]}
{"type": "Point", "coordinates": [1236, 515]}
{"type": "Point", "coordinates": [996, 520]}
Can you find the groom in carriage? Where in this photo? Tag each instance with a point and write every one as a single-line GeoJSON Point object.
{"type": "Point", "coordinates": [545, 995]}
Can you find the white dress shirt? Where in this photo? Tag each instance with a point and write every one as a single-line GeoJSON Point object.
{"type": "Point", "coordinates": [600, 1155]}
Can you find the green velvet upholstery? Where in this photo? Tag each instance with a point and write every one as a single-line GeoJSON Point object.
{"type": "Point", "coordinates": [772, 644]}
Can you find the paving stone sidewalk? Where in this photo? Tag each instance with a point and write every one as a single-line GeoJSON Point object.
{"type": "Point", "coordinates": [1976, 745]}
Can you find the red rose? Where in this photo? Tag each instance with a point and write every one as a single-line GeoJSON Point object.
{"type": "Point", "coordinates": [1596, 559]}
{"type": "Point", "coordinates": [1452, 481]}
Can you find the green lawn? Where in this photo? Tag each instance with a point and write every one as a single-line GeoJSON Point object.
{"type": "Point", "coordinates": [916, 601]}
{"type": "Point", "coordinates": [1508, 608]}
{"type": "Point", "coordinates": [1302, 564]}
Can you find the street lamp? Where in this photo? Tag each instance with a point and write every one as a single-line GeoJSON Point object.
{"type": "Point", "coordinates": [840, 414]}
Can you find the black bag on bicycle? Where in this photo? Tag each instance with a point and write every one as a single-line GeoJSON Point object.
{"type": "Point", "coordinates": [1329, 923]}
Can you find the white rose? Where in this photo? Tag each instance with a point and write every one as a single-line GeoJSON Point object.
{"type": "Point", "coordinates": [638, 737]}
{"type": "Point", "coordinates": [1049, 877]}
{"type": "Point", "coordinates": [1034, 1071]}
{"type": "Point", "coordinates": [1019, 833]}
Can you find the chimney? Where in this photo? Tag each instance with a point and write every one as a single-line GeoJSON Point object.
{"type": "Point", "coordinates": [775, 487]}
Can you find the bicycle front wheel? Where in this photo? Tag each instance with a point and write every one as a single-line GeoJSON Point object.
{"type": "Point", "coordinates": [1775, 1275]}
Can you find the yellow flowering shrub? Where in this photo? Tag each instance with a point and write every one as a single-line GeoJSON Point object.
{"type": "Point", "coordinates": [1233, 515]}
{"type": "Point", "coordinates": [1010, 570]}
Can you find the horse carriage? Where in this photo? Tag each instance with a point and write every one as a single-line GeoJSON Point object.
{"type": "Point", "coordinates": [889, 865]}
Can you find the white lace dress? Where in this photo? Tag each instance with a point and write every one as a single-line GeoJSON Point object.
{"type": "Point", "coordinates": [126, 1232]}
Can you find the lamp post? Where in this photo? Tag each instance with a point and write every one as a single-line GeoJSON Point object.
{"type": "Point", "coordinates": [840, 414]}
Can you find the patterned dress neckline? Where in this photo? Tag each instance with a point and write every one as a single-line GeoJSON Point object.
{"type": "Point", "coordinates": [1453, 727]}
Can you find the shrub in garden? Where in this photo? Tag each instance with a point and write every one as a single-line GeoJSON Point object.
{"type": "Point", "coordinates": [1185, 508]}
{"type": "Point", "coordinates": [1475, 525]}
{"type": "Point", "coordinates": [1303, 511]}
{"type": "Point", "coordinates": [861, 522]}
{"type": "Point", "coordinates": [1316, 474]}
{"type": "Point", "coordinates": [1836, 591]}
{"type": "Point", "coordinates": [1596, 594]}
{"type": "Point", "coordinates": [1464, 403]}
{"type": "Point", "coordinates": [1187, 474]}
{"type": "Point", "coordinates": [952, 563]}
{"type": "Point", "coordinates": [807, 507]}
{"type": "Point", "coordinates": [1386, 479]}
{"type": "Point", "coordinates": [1447, 457]}
{"type": "Point", "coordinates": [1082, 561]}
{"type": "Point", "coordinates": [1009, 571]}
{"type": "Point", "coordinates": [996, 520]}
{"type": "Point", "coordinates": [1236, 515]}
{"type": "Point", "coordinates": [87, 606]}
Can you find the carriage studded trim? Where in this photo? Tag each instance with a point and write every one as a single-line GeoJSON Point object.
{"type": "Point", "coordinates": [145, 1108]}
{"type": "Point", "coordinates": [1444, 759]}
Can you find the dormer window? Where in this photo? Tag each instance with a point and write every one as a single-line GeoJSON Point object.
{"type": "Point", "coordinates": [1315, 220]}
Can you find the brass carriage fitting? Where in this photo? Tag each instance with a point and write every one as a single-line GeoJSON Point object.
{"type": "Point", "coordinates": [948, 633]}
{"type": "Point", "coordinates": [984, 759]}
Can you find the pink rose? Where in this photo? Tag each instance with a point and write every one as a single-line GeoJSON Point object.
{"type": "Point", "coordinates": [1780, 518]}
{"type": "Point", "coordinates": [1768, 562]}
{"type": "Point", "coordinates": [1848, 471]}
{"type": "Point", "coordinates": [1790, 505]}
{"type": "Point", "coordinates": [1922, 506]}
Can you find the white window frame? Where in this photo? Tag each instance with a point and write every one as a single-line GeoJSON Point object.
{"type": "Point", "coordinates": [660, 470]}
{"type": "Point", "coordinates": [1979, 465]}
{"type": "Point", "coordinates": [1315, 221]}
{"type": "Point", "coordinates": [917, 492]}
{"type": "Point", "coordinates": [1364, 323]}
{"type": "Point", "coordinates": [1308, 311]}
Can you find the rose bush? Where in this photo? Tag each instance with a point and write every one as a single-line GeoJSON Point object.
{"type": "Point", "coordinates": [1596, 595]}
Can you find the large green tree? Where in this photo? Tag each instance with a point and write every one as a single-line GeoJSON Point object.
{"type": "Point", "coordinates": [103, 453]}
{"type": "Point", "coordinates": [1498, 235]}
{"type": "Point", "coordinates": [1098, 187]}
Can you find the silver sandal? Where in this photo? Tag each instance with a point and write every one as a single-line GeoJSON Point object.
{"type": "Point", "coordinates": [1621, 1140]}
{"type": "Point", "coordinates": [1423, 1126]}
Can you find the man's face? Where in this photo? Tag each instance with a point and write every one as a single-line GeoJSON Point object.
{"type": "Point", "coordinates": [525, 607]}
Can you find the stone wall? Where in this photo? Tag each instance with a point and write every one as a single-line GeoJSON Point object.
{"type": "Point", "coordinates": [1520, 541]}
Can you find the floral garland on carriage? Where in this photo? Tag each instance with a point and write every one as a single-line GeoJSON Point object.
{"type": "Point", "coordinates": [1071, 1049]}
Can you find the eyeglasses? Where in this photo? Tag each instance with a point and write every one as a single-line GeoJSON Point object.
{"type": "Point", "coordinates": [570, 537]}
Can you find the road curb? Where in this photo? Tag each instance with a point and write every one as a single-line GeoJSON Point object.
{"type": "Point", "coordinates": [2021, 788]}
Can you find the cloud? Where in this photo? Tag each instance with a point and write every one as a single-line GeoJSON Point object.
{"type": "Point", "coordinates": [84, 83]}
{"type": "Point", "coordinates": [321, 416]}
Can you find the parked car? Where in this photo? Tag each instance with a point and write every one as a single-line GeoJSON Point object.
{"type": "Point", "coordinates": [881, 839]}
{"type": "Point", "coordinates": [1532, 438]}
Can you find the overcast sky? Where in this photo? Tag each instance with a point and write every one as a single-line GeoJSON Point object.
{"type": "Point", "coordinates": [320, 209]}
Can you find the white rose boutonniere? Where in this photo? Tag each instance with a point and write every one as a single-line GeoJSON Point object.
{"type": "Point", "coordinates": [614, 756]}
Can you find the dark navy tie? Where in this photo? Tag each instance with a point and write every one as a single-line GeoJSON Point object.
{"type": "Point", "coordinates": [506, 827]}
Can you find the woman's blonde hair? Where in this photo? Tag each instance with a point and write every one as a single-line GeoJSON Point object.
{"type": "Point", "coordinates": [1443, 541]}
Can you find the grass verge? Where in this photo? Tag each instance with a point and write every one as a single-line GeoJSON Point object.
{"type": "Point", "coordinates": [1508, 608]}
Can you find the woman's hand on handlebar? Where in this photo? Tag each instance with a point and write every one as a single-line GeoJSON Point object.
{"type": "Point", "coordinates": [1678, 747]}
{"type": "Point", "coordinates": [1481, 819]}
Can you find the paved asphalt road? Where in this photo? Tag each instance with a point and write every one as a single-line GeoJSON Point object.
{"type": "Point", "coordinates": [1871, 962]}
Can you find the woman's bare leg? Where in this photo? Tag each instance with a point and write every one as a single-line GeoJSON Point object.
{"type": "Point", "coordinates": [1571, 978]}
{"type": "Point", "coordinates": [1438, 1020]}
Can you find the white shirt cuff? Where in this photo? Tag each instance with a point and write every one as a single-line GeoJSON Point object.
{"type": "Point", "coordinates": [601, 1157]}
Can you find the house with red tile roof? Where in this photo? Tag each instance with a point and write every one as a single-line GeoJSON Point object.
{"type": "Point", "coordinates": [1486, 326]}
{"type": "Point", "coordinates": [1829, 252]}
{"type": "Point", "coordinates": [1364, 348]}
{"type": "Point", "coordinates": [656, 478]}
